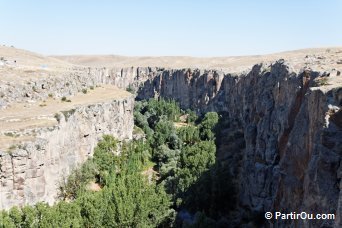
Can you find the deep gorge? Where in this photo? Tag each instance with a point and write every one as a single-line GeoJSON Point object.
{"type": "Point", "coordinates": [287, 129]}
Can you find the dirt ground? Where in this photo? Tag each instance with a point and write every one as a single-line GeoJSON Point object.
{"type": "Point", "coordinates": [22, 116]}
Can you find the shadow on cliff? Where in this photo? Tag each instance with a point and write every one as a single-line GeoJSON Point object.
{"type": "Point", "coordinates": [213, 200]}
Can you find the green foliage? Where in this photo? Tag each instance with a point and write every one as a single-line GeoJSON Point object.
{"type": "Point", "coordinates": [189, 134]}
{"type": "Point", "coordinates": [6, 220]}
{"type": "Point", "coordinates": [29, 217]}
{"type": "Point", "coordinates": [192, 117]}
{"type": "Point", "coordinates": [158, 109]}
{"type": "Point", "coordinates": [16, 215]}
{"type": "Point", "coordinates": [77, 180]}
{"type": "Point", "coordinates": [141, 121]}
{"type": "Point", "coordinates": [85, 91]}
{"type": "Point", "coordinates": [198, 157]}
{"type": "Point", "coordinates": [189, 178]}
{"type": "Point", "coordinates": [64, 99]}
{"type": "Point", "coordinates": [127, 198]}
{"type": "Point", "coordinates": [163, 131]}
{"type": "Point", "coordinates": [207, 126]}
{"type": "Point", "coordinates": [130, 89]}
{"type": "Point", "coordinates": [104, 157]}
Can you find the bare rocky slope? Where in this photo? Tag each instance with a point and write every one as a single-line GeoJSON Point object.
{"type": "Point", "coordinates": [289, 111]}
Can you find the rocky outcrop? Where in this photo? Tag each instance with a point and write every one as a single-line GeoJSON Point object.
{"type": "Point", "coordinates": [292, 131]}
{"type": "Point", "coordinates": [31, 172]}
{"type": "Point", "coordinates": [35, 87]}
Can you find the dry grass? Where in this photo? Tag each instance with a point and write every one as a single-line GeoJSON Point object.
{"type": "Point", "coordinates": [232, 64]}
{"type": "Point", "coordinates": [22, 116]}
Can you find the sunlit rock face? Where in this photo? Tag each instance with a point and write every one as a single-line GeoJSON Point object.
{"type": "Point", "coordinates": [32, 171]}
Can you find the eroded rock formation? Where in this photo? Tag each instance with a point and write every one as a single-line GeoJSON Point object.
{"type": "Point", "coordinates": [289, 113]}
{"type": "Point", "coordinates": [292, 130]}
{"type": "Point", "coordinates": [31, 172]}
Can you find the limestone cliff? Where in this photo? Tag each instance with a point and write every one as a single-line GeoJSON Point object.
{"type": "Point", "coordinates": [292, 130]}
{"type": "Point", "coordinates": [31, 171]}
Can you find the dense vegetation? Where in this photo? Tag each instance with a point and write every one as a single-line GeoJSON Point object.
{"type": "Point", "coordinates": [167, 178]}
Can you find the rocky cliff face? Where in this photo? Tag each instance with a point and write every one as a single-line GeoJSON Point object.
{"type": "Point", "coordinates": [30, 173]}
{"type": "Point", "coordinates": [33, 86]}
{"type": "Point", "coordinates": [292, 130]}
{"type": "Point", "coordinates": [290, 119]}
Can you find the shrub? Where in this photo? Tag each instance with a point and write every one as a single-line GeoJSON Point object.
{"type": "Point", "coordinates": [323, 82]}
{"type": "Point", "coordinates": [10, 134]}
{"type": "Point", "coordinates": [75, 183]}
{"type": "Point", "coordinates": [57, 117]}
{"type": "Point", "coordinates": [68, 113]}
{"type": "Point", "coordinates": [130, 89]}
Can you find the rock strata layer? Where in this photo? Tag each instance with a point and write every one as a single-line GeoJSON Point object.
{"type": "Point", "coordinates": [32, 170]}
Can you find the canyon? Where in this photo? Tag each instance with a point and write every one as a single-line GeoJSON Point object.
{"type": "Point", "coordinates": [287, 105]}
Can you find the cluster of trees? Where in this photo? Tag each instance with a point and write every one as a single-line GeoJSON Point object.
{"type": "Point", "coordinates": [185, 159]}
{"type": "Point", "coordinates": [126, 198]}
{"type": "Point", "coordinates": [188, 181]}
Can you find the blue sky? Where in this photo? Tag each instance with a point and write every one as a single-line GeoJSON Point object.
{"type": "Point", "coordinates": [170, 27]}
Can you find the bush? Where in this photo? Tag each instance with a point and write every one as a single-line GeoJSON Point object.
{"type": "Point", "coordinates": [57, 117]}
{"type": "Point", "coordinates": [130, 89]}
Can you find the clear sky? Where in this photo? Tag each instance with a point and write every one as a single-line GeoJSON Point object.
{"type": "Point", "coordinates": [170, 27]}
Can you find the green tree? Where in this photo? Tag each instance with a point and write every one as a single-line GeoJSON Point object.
{"type": "Point", "coordinates": [6, 221]}
{"type": "Point", "coordinates": [16, 215]}
{"type": "Point", "coordinates": [207, 126]}
{"type": "Point", "coordinates": [92, 209]}
{"type": "Point", "coordinates": [68, 215]}
{"type": "Point", "coordinates": [189, 134]}
{"type": "Point", "coordinates": [104, 157]}
{"type": "Point", "coordinates": [76, 182]}
{"type": "Point", "coordinates": [30, 218]}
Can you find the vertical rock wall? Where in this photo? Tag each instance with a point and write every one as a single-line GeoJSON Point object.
{"type": "Point", "coordinates": [292, 130]}
{"type": "Point", "coordinates": [31, 173]}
